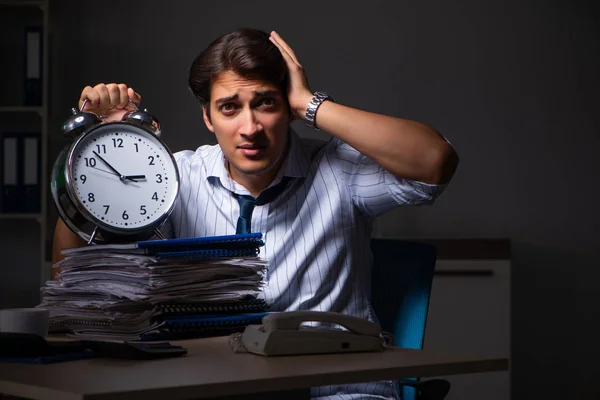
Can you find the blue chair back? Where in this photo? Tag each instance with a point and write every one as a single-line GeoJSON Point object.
{"type": "Point", "coordinates": [401, 285]}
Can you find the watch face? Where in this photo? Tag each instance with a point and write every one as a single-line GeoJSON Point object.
{"type": "Point", "coordinates": [123, 176]}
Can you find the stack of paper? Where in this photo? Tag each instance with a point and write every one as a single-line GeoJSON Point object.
{"type": "Point", "coordinates": [120, 290]}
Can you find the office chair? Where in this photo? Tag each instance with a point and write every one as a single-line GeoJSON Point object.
{"type": "Point", "coordinates": [401, 284]}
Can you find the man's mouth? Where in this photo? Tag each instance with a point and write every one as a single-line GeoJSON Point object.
{"type": "Point", "coordinates": [251, 150]}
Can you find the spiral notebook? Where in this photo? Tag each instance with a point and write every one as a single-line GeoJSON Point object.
{"type": "Point", "coordinates": [202, 326]}
{"type": "Point", "coordinates": [239, 245]}
{"type": "Point", "coordinates": [193, 320]}
{"type": "Point", "coordinates": [226, 242]}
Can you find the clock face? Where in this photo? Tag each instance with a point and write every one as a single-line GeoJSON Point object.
{"type": "Point", "coordinates": [123, 176]}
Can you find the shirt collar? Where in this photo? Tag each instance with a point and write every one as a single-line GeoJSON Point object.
{"type": "Point", "coordinates": [295, 165]}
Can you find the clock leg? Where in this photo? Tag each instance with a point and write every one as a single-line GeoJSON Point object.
{"type": "Point", "coordinates": [93, 235]}
{"type": "Point", "coordinates": [159, 234]}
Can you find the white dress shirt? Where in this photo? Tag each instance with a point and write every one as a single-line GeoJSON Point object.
{"type": "Point", "coordinates": [316, 232]}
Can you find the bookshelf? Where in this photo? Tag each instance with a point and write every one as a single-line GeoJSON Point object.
{"type": "Point", "coordinates": [25, 229]}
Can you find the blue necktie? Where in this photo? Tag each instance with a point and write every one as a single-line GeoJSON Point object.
{"type": "Point", "coordinates": [247, 204]}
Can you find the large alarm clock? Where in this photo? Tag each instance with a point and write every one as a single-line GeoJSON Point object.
{"type": "Point", "coordinates": [116, 181]}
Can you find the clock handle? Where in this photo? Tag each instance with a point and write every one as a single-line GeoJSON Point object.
{"type": "Point", "coordinates": [134, 105]}
{"type": "Point", "coordinates": [86, 100]}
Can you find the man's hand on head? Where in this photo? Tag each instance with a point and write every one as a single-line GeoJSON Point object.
{"type": "Point", "coordinates": [110, 101]}
{"type": "Point", "coordinates": [299, 93]}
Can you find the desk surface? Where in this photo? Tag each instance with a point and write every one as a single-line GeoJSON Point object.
{"type": "Point", "coordinates": [211, 369]}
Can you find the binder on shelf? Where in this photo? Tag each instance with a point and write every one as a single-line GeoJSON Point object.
{"type": "Point", "coordinates": [21, 172]}
{"type": "Point", "coordinates": [33, 66]}
{"type": "Point", "coordinates": [11, 172]}
{"type": "Point", "coordinates": [30, 196]}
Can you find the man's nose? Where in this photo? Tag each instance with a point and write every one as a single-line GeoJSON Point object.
{"type": "Point", "coordinates": [250, 124]}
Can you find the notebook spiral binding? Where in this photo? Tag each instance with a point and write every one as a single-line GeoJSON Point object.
{"type": "Point", "coordinates": [62, 326]}
{"type": "Point", "coordinates": [215, 253]}
{"type": "Point", "coordinates": [170, 310]}
{"type": "Point", "coordinates": [238, 320]}
{"type": "Point", "coordinates": [245, 240]}
{"type": "Point", "coordinates": [247, 306]}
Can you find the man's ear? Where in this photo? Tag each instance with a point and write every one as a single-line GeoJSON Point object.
{"type": "Point", "coordinates": [209, 124]}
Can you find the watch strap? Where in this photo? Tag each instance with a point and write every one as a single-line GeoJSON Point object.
{"type": "Point", "coordinates": [313, 105]}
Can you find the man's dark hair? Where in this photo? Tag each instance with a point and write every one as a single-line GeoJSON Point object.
{"type": "Point", "coordinates": [247, 52]}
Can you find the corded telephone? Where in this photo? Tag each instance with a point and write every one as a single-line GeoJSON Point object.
{"type": "Point", "coordinates": [283, 334]}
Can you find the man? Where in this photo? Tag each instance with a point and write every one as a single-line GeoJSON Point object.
{"type": "Point", "coordinates": [318, 200]}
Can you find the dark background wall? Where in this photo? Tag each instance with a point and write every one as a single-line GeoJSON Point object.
{"type": "Point", "coordinates": [512, 84]}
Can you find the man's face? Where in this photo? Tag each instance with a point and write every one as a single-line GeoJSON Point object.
{"type": "Point", "coordinates": [250, 119]}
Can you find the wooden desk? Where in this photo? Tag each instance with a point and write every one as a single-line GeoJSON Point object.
{"type": "Point", "coordinates": [212, 370]}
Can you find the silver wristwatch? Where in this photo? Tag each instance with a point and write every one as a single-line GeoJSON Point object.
{"type": "Point", "coordinates": [313, 105]}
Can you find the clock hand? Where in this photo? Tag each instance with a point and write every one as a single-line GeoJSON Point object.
{"type": "Point", "coordinates": [121, 176]}
{"type": "Point", "coordinates": [131, 178]}
{"type": "Point", "coordinates": [103, 170]}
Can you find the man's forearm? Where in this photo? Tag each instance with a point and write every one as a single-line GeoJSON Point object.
{"type": "Point", "coordinates": [406, 149]}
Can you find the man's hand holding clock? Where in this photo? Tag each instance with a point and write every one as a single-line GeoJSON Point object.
{"type": "Point", "coordinates": [110, 101]}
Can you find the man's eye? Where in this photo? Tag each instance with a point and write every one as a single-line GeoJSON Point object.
{"type": "Point", "coordinates": [228, 107]}
{"type": "Point", "coordinates": [267, 102]}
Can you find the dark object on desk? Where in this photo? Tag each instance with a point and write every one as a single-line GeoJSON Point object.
{"type": "Point", "coordinates": [29, 348]}
{"type": "Point", "coordinates": [401, 286]}
{"type": "Point", "coordinates": [30, 345]}
{"type": "Point", "coordinates": [34, 349]}
{"type": "Point", "coordinates": [135, 351]}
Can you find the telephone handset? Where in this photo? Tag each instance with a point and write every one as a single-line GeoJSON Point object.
{"type": "Point", "coordinates": [283, 334]}
{"type": "Point", "coordinates": [291, 320]}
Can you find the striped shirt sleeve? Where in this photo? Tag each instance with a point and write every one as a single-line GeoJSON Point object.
{"type": "Point", "coordinates": [375, 191]}
{"type": "Point", "coordinates": [172, 227]}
